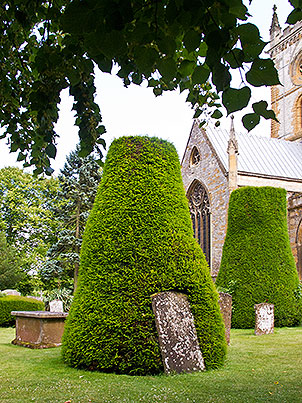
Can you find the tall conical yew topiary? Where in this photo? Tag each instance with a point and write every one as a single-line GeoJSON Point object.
{"type": "Point", "coordinates": [138, 241]}
{"type": "Point", "coordinates": [257, 263]}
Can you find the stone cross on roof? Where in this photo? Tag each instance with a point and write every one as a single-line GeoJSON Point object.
{"type": "Point", "coordinates": [275, 26]}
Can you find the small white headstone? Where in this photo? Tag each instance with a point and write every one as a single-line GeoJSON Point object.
{"type": "Point", "coordinates": [264, 323]}
{"type": "Point", "coordinates": [11, 292]}
{"type": "Point", "coordinates": [56, 306]}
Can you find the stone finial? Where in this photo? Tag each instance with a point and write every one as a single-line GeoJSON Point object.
{"type": "Point", "coordinates": [275, 28]}
{"type": "Point", "coordinates": [232, 143]}
{"type": "Point", "coordinates": [232, 150]}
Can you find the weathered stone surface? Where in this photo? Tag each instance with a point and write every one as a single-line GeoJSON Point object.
{"type": "Point", "coordinates": [225, 303]}
{"type": "Point", "coordinates": [176, 333]}
{"type": "Point", "coordinates": [212, 175]}
{"type": "Point", "coordinates": [294, 220]}
{"type": "Point", "coordinates": [56, 306]}
{"type": "Point", "coordinates": [34, 297]}
{"type": "Point", "coordinates": [264, 323]}
{"type": "Point", "coordinates": [39, 329]}
{"type": "Point", "coordinates": [11, 292]}
{"type": "Point", "coordinates": [285, 51]}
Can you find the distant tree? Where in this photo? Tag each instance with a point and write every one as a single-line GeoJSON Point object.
{"type": "Point", "coordinates": [10, 265]}
{"type": "Point", "coordinates": [25, 214]}
{"type": "Point", "coordinates": [78, 181]}
{"type": "Point", "coordinates": [193, 45]}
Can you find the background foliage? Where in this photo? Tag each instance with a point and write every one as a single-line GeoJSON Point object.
{"type": "Point", "coordinates": [26, 218]}
{"type": "Point", "coordinates": [138, 241]}
{"type": "Point", "coordinates": [10, 265]}
{"type": "Point", "coordinates": [78, 182]}
{"type": "Point", "coordinates": [15, 303]}
{"type": "Point", "coordinates": [46, 46]}
{"type": "Point", "coordinates": [62, 294]}
{"type": "Point", "coordinates": [257, 263]}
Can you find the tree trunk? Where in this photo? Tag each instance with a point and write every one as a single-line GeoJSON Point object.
{"type": "Point", "coordinates": [75, 275]}
{"type": "Point", "coordinates": [77, 249]}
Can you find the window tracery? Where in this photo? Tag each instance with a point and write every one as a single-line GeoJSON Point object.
{"type": "Point", "coordinates": [195, 156]}
{"type": "Point", "coordinates": [295, 69]}
{"type": "Point", "coordinates": [299, 249]}
{"type": "Point", "coordinates": [200, 211]}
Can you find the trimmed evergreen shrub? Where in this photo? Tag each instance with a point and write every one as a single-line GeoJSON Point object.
{"type": "Point", "coordinates": [257, 262]}
{"type": "Point", "coordinates": [16, 303]}
{"type": "Point", "coordinates": [138, 241]}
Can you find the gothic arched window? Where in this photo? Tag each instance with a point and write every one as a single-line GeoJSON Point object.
{"type": "Point", "coordinates": [298, 116]}
{"type": "Point", "coordinates": [201, 217]}
{"type": "Point", "coordinates": [300, 112]}
{"type": "Point", "coordinates": [299, 249]}
{"type": "Point", "coordinates": [194, 157]}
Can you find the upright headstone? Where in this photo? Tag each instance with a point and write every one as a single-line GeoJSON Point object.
{"type": "Point", "coordinates": [11, 292]}
{"type": "Point", "coordinates": [56, 306]}
{"type": "Point", "coordinates": [225, 303]}
{"type": "Point", "coordinates": [176, 333]}
{"type": "Point", "coordinates": [264, 319]}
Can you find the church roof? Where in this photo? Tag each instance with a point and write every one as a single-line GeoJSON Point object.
{"type": "Point", "coordinates": [260, 155]}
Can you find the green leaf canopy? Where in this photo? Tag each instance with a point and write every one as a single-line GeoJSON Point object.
{"type": "Point", "coordinates": [46, 46]}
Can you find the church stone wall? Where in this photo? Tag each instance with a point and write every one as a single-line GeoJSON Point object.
{"type": "Point", "coordinates": [211, 175]}
{"type": "Point", "coordinates": [294, 220]}
{"type": "Point", "coordinates": [286, 52]}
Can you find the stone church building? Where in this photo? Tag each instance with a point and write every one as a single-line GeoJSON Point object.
{"type": "Point", "coordinates": [216, 161]}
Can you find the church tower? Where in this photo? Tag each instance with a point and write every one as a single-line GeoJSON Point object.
{"type": "Point", "coordinates": [286, 99]}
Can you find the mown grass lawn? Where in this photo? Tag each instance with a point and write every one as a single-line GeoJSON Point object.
{"type": "Point", "coordinates": [258, 369]}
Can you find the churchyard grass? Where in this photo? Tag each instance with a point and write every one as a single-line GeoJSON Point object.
{"type": "Point", "coordinates": [258, 369]}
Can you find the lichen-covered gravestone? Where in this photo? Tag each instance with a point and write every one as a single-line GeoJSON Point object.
{"type": "Point", "coordinates": [264, 319]}
{"type": "Point", "coordinates": [138, 241]}
{"type": "Point", "coordinates": [176, 332]}
{"type": "Point", "coordinates": [225, 303]}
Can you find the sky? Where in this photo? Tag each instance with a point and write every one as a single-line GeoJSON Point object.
{"type": "Point", "coordinates": [136, 111]}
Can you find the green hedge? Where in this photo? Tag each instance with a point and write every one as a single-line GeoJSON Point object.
{"type": "Point", "coordinates": [138, 241]}
{"type": "Point", "coordinates": [257, 262]}
{"type": "Point", "coordinates": [15, 303]}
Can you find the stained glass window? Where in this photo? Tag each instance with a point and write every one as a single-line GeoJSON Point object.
{"type": "Point", "coordinates": [201, 217]}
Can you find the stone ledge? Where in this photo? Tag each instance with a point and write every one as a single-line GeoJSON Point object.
{"type": "Point", "coordinates": [41, 345]}
{"type": "Point", "coordinates": [40, 314]}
